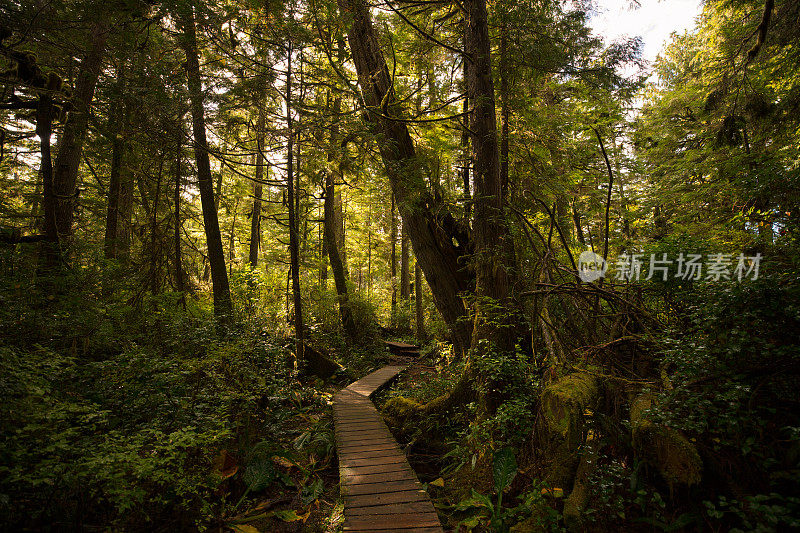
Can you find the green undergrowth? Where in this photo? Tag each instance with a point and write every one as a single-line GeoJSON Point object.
{"type": "Point", "coordinates": [144, 415]}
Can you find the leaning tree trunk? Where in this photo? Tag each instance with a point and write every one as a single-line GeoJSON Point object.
{"type": "Point", "coordinates": [430, 227]}
{"type": "Point", "coordinates": [223, 306]}
{"type": "Point", "coordinates": [70, 147]}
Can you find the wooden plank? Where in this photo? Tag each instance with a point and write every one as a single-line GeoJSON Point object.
{"type": "Point", "coordinates": [347, 455]}
{"type": "Point", "coordinates": [380, 477]}
{"type": "Point", "coordinates": [356, 461]}
{"type": "Point", "coordinates": [396, 344]}
{"type": "Point", "coordinates": [359, 441]}
{"type": "Point", "coordinates": [437, 529]}
{"type": "Point", "coordinates": [390, 508]}
{"type": "Point", "coordinates": [369, 450]}
{"type": "Point", "coordinates": [391, 522]}
{"type": "Point", "coordinates": [393, 487]}
{"type": "Point", "coordinates": [347, 427]}
{"type": "Point", "coordinates": [347, 471]}
{"type": "Point", "coordinates": [368, 500]}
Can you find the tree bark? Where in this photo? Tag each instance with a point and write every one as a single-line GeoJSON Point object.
{"type": "Point", "coordinates": [504, 107]}
{"type": "Point", "coordinates": [255, 222]}
{"type": "Point", "coordinates": [405, 274]}
{"type": "Point", "coordinates": [493, 245]}
{"type": "Point", "coordinates": [223, 305]}
{"type": "Point", "coordinates": [70, 147]}
{"type": "Point", "coordinates": [116, 128]}
{"type": "Point", "coordinates": [180, 284]}
{"type": "Point", "coordinates": [419, 322]}
{"type": "Point", "coordinates": [393, 237]}
{"type": "Point", "coordinates": [294, 245]}
{"type": "Point", "coordinates": [154, 230]}
{"type": "Point", "coordinates": [333, 226]}
{"type": "Point", "coordinates": [44, 129]}
{"type": "Point", "coordinates": [466, 184]}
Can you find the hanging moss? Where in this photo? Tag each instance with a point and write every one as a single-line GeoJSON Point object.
{"type": "Point", "coordinates": [663, 447]}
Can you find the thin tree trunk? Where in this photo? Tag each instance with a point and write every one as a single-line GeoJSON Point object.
{"type": "Point", "coordinates": [116, 127]}
{"type": "Point", "coordinates": [255, 221]}
{"type": "Point", "coordinates": [70, 146]}
{"type": "Point", "coordinates": [294, 245]}
{"type": "Point", "coordinates": [369, 249]}
{"type": "Point", "coordinates": [223, 306]}
{"type": "Point", "coordinates": [465, 151]}
{"type": "Point", "coordinates": [125, 215]}
{"type": "Point", "coordinates": [154, 255]}
{"type": "Point", "coordinates": [576, 218]}
{"type": "Point", "coordinates": [44, 129]}
{"type": "Point", "coordinates": [332, 220]}
{"type": "Point", "coordinates": [231, 235]}
{"type": "Point", "coordinates": [393, 237]}
{"type": "Point", "coordinates": [180, 284]}
{"type": "Point", "coordinates": [420, 317]}
{"type": "Point", "coordinates": [504, 107]}
{"type": "Point", "coordinates": [405, 278]}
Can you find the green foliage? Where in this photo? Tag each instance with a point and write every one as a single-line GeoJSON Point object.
{"type": "Point", "coordinates": [125, 411]}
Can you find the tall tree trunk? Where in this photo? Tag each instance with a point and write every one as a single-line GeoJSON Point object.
{"type": "Point", "coordinates": [504, 107]}
{"type": "Point", "coordinates": [393, 237]}
{"type": "Point", "coordinates": [465, 151]}
{"type": "Point", "coordinates": [334, 228]}
{"type": "Point", "coordinates": [70, 146]}
{"type": "Point", "coordinates": [180, 284]}
{"type": "Point", "coordinates": [294, 245]}
{"type": "Point", "coordinates": [255, 221]}
{"type": "Point", "coordinates": [231, 235]}
{"type": "Point", "coordinates": [430, 227]}
{"type": "Point", "coordinates": [419, 321]}
{"type": "Point", "coordinates": [154, 230]}
{"type": "Point", "coordinates": [495, 321]}
{"type": "Point", "coordinates": [576, 218]}
{"type": "Point", "coordinates": [117, 130]}
{"type": "Point", "coordinates": [223, 305]}
{"type": "Point", "coordinates": [44, 129]}
{"type": "Point", "coordinates": [405, 278]}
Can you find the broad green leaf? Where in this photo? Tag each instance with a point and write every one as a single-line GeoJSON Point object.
{"type": "Point", "coordinates": [504, 468]}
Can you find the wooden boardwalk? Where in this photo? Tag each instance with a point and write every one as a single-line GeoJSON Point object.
{"type": "Point", "coordinates": [381, 491]}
